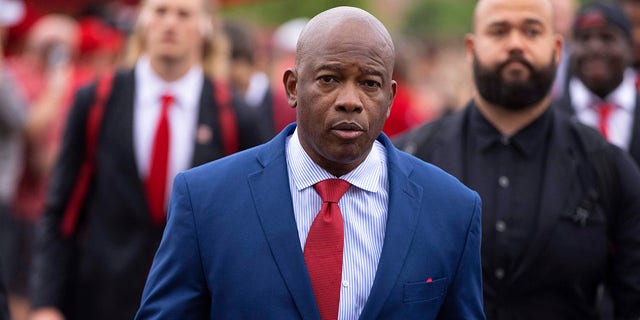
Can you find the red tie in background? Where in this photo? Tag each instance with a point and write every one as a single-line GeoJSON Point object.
{"type": "Point", "coordinates": [156, 184]}
{"type": "Point", "coordinates": [604, 111]}
{"type": "Point", "coordinates": [324, 247]}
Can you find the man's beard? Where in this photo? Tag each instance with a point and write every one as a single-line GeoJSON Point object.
{"type": "Point", "coordinates": [514, 94]}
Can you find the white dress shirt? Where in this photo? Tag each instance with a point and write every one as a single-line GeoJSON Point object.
{"type": "Point", "coordinates": [364, 209]}
{"type": "Point", "coordinates": [257, 89]}
{"type": "Point", "coordinates": [183, 117]}
{"type": "Point", "coordinates": [620, 123]}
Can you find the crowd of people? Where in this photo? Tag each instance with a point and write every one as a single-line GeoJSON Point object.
{"type": "Point", "coordinates": [160, 161]}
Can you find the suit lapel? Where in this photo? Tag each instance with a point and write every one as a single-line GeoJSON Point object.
{"type": "Point", "coordinates": [404, 205]}
{"type": "Point", "coordinates": [118, 127]}
{"type": "Point", "coordinates": [634, 144]}
{"type": "Point", "coordinates": [452, 138]}
{"type": "Point", "coordinates": [272, 198]}
{"type": "Point", "coordinates": [206, 146]}
{"type": "Point", "coordinates": [560, 190]}
{"type": "Point", "coordinates": [564, 105]}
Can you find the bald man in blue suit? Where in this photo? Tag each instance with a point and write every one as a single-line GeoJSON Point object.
{"type": "Point", "coordinates": [234, 241]}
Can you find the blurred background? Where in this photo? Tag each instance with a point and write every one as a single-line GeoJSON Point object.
{"type": "Point", "coordinates": [428, 34]}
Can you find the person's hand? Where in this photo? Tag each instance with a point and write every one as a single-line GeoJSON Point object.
{"type": "Point", "coordinates": [47, 313]}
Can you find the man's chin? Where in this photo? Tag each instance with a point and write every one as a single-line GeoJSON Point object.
{"type": "Point", "coordinates": [517, 106]}
{"type": "Point", "coordinates": [516, 74]}
{"type": "Point", "coordinates": [516, 82]}
{"type": "Point", "coordinates": [169, 57]}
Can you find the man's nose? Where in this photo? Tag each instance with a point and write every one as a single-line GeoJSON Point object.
{"type": "Point", "coordinates": [348, 98]}
{"type": "Point", "coordinates": [516, 41]}
{"type": "Point", "coordinates": [596, 44]}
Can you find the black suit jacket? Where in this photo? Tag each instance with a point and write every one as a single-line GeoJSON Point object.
{"type": "Point", "coordinates": [100, 272]}
{"type": "Point", "coordinates": [565, 105]}
{"type": "Point", "coordinates": [4, 303]}
{"type": "Point", "coordinates": [569, 255]}
{"type": "Point", "coordinates": [256, 123]}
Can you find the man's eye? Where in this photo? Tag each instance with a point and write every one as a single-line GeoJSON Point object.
{"type": "Point", "coordinates": [161, 11]}
{"type": "Point", "coordinates": [184, 14]}
{"type": "Point", "coordinates": [498, 32]}
{"type": "Point", "coordinates": [582, 37]}
{"type": "Point", "coordinates": [608, 37]}
{"type": "Point", "coordinates": [532, 32]}
{"type": "Point", "coordinates": [372, 84]}
{"type": "Point", "coordinates": [326, 79]}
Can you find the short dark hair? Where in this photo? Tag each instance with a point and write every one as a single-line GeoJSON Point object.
{"type": "Point", "coordinates": [241, 40]}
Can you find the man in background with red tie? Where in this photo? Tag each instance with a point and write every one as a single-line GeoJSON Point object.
{"type": "Point", "coordinates": [602, 92]}
{"type": "Point", "coordinates": [160, 117]}
{"type": "Point", "coordinates": [328, 220]}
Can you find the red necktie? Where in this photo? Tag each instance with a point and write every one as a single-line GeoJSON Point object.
{"type": "Point", "coordinates": [324, 247]}
{"type": "Point", "coordinates": [156, 184]}
{"type": "Point", "coordinates": [604, 111]}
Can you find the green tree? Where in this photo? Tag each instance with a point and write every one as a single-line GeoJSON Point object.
{"type": "Point", "coordinates": [439, 18]}
{"type": "Point", "coordinates": [275, 12]}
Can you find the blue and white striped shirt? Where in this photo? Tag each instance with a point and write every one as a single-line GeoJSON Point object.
{"type": "Point", "coordinates": [364, 210]}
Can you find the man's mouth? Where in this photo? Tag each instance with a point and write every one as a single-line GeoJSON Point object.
{"type": "Point", "coordinates": [347, 130]}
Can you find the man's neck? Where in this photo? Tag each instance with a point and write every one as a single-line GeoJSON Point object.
{"type": "Point", "coordinates": [170, 70]}
{"type": "Point", "coordinates": [509, 122]}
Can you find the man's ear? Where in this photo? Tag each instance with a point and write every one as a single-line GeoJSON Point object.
{"type": "Point", "coordinates": [559, 45]}
{"type": "Point", "coordinates": [392, 94]}
{"type": "Point", "coordinates": [290, 80]}
{"type": "Point", "coordinates": [469, 45]}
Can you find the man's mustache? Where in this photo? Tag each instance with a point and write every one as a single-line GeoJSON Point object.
{"type": "Point", "coordinates": [515, 58]}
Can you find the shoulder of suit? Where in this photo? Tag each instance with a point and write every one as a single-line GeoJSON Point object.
{"type": "Point", "coordinates": [421, 136]}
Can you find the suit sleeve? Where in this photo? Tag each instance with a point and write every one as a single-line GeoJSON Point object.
{"type": "Point", "coordinates": [624, 274]}
{"type": "Point", "coordinates": [53, 255]}
{"type": "Point", "coordinates": [464, 297]}
{"type": "Point", "coordinates": [4, 303]}
{"type": "Point", "coordinates": [176, 286]}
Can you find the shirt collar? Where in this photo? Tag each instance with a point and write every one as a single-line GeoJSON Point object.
{"type": "Point", "coordinates": [527, 140]}
{"type": "Point", "coordinates": [301, 162]}
{"type": "Point", "coordinates": [151, 87]}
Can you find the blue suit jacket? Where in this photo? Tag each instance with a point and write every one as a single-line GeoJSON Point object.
{"type": "Point", "coordinates": [231, 248]}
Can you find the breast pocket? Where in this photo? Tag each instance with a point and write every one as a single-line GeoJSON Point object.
{"type": "Point", "coordinates": [424, 291]}
{"type": "Point", "coordinates": [588, 212]}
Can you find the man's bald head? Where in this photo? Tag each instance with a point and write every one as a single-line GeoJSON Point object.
{"type": "Point", "coordinates": [485, 7]}
{"type": "Point", "coordinates": [340, 20]}
{"type": "Point", "coordinates": [341, 87]}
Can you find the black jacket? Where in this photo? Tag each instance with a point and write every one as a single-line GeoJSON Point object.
{"type": "Point", "coordinates": [588, 230]}
{"type": "Point", "coordinates": [4, 303]}
{"type": "Point", "coordinates": [100, 272]}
